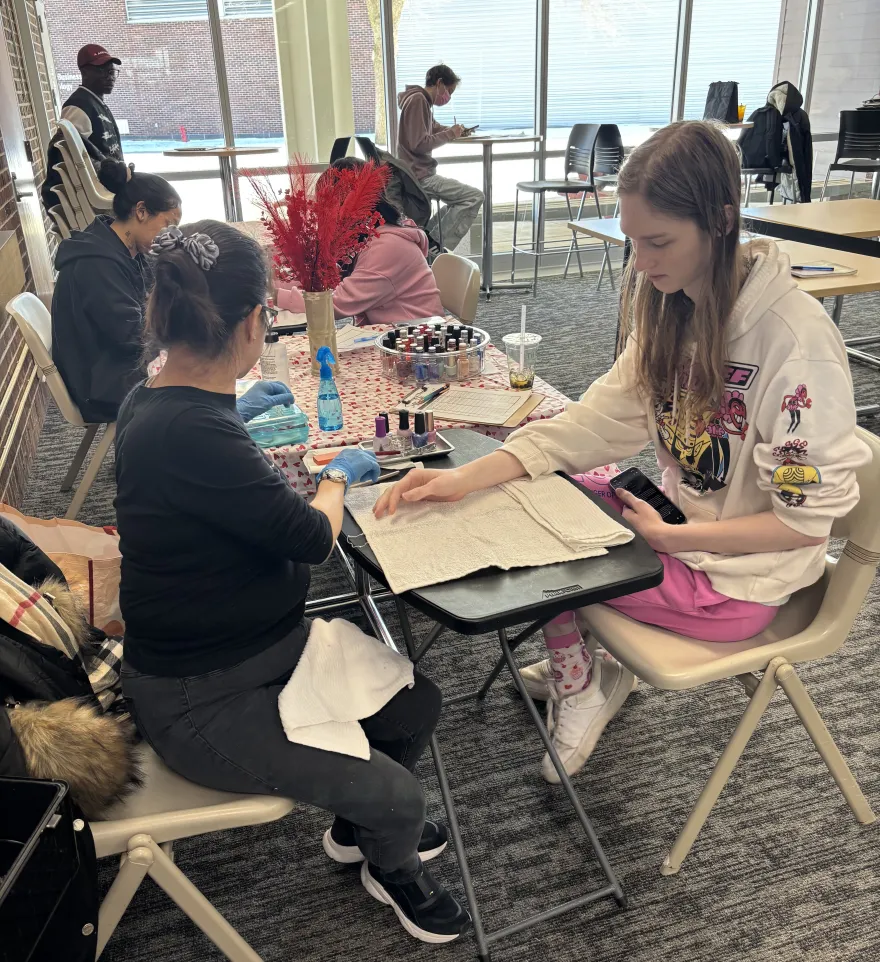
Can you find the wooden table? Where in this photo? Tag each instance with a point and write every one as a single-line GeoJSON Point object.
{"type": "Point", "coordinates": [865, 281]}
{"type": "Point", "coordinates": [488, 144]}
{"type": "Point", "coordinates": [605, 229]}
{"type": "Point", "coordinates": [228, 170]}
{"type": "Point", "coordinates": [841, 225]}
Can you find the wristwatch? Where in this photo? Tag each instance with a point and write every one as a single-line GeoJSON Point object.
{"type": "Point", "coordinates": [336, 475]}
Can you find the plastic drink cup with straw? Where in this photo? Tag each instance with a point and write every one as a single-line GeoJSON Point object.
{"type": "Point", "coordinates": [522, 348]}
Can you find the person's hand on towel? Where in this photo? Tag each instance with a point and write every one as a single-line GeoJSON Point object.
{"type": "Point", "coordinates": [358, 465]}
{"type": "Point", "coordinates": [427, 485]}
{"type": "Point", "coordinates": [261, 397]}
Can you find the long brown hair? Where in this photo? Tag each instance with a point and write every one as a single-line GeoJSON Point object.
{"type": "Point", "coordinates": [688, 170]}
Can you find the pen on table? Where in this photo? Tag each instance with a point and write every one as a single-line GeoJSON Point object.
{"type": "Point", "coordinates": [363, 340]}
{"type": "Point", "coordinates": [810, 267]}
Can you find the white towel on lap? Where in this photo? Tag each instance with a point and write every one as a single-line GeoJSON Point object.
{"type": "Point", "coordinates": [343, 676]}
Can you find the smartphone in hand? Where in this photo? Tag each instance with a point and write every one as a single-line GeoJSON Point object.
{"type": "Point", "coordinates": [643, 487]}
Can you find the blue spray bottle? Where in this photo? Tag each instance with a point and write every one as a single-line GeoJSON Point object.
{"type": "Point", "coordinates": [329, 405]}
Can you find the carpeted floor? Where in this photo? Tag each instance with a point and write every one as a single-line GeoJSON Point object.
{"type": "Point", "coordinates": [781, 872]}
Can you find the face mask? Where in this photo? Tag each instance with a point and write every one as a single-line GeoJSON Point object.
{"type": "Point", "coordinates": [442, 96]}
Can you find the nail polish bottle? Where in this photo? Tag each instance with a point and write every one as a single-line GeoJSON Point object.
{"type": "Point", "coordinates": [384, 416]}
{"type": "Point", "coordinates": [404, 432]}
{"type": "Point", "coordinates": [381, 440]}
{"type": "Point", "coordinates": [450, 369]}
{"type": "Point", "coordinates": [433, 366]}
{"type": "Point", "coordinates": [420, 434]}
{"type": "Point", "coordinates": [429, 427]}
{"type": "Point", "coordinates": [464, 363]}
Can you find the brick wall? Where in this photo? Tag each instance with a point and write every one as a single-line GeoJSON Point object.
{"type": "Point", "coordinates": [28, 117]}
{"type": "Point", "coordinates": [26, 398]}
{"type": "Point", "coordinates": [167, 78]}
{"type": "Point", "coordinates": [363, 78]}
{"type": "Point", "coordinates": [168, 81]}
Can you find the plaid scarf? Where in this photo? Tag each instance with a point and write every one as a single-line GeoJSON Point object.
{"type": "Point", "coordinates": [30, 611]}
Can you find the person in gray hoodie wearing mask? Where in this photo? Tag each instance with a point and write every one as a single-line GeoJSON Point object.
{"type": "Point", "coordinates": [418, 135]}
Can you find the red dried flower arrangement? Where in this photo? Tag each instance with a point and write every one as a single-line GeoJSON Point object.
{"type": "Point", "coordinates": [320, 223]}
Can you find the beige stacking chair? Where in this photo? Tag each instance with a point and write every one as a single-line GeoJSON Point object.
{"type": "Point", "coordinates": [814, 624]}
{"type": "Point", "coordinates": [73, 152]}
{"type": "Point", "coordinates": [66, 209]}
{"type": "Point", "coordinates": [84, 217]}
{"type": "Point", "coordinates": [459, 282]}
{"type": "Point", "coordinates": [143, 830]}
{"type": "Point", "coordinates": [35, 324]}
{"type": "Point", "coordinates": [57, 214]}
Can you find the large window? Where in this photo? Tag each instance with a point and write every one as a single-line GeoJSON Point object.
{"type": "Point", "coordinates": [497, 89]}
{"type": "Point", "coordinates": [847, 71]}
{"type": "Point", "coordinates": [732, 42]}
{"type": "Point", "coordinates": [610, 62]}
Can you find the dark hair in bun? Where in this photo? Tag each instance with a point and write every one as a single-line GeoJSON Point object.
{"type": "Point", "coordinates": [155, 192]}
{"type": "Point", "coordinates": [202, 308]}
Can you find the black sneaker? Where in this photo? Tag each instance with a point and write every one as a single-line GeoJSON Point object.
{"type": "Point", "coordinates": [339, 843]}
{"type": "Point", "coordinates": [425, 909]}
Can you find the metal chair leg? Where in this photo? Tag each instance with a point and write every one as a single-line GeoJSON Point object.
{"type": "Point", "coordinates": [573, 245]}
{"type": "Point", "coordinates": [91, 471]}
{"type": "Point", "coordinates": [852, 183]}
{"type": "Point", "coordinates": [825, 184]}
{"type": "Point", "coordinates": [606, 257]}
{"type": "Point", "coordinates": [513, 246]}
{"type": "Point", "coordinates": [79, 457]}
{"type": "Point", "coordinates": [539, 243]}
{"type": "Point", "coordinates": [723, 768]}
{"type": "Point", "coordinates": [748, 190]}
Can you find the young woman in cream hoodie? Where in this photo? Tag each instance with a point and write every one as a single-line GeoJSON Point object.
{"type": "Point", "coordinates": [741, 383]}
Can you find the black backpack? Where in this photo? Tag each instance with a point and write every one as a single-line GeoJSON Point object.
{"type": "Point", "coordinates": [763, 145]}
{"type": "Point", "coordinates": [403, 191]}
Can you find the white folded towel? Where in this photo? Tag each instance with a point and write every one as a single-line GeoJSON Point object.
{"type": "Point", "coordinates": [343, 676]}
{"type": "Point", "coordinates": [515, 525]}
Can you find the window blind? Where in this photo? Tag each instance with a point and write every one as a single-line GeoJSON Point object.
{"type": "Point", "coordinates": [732, 42]}
{"type": "Point", "coordinates": [169, 11]}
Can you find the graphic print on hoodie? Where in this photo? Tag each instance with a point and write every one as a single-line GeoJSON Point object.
{"type": "Point", "coordinates": [97, 318]}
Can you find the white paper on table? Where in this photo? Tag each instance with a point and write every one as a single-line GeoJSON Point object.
{"type": "Point", "coordinates": [351, 338]}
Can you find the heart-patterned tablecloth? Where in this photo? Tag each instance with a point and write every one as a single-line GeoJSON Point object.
{"type": "Point", "coordinates": [365, 392]}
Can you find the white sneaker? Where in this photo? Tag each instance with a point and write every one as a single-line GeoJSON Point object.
{"type": "Point", "coordinates": [538, 678]}
{"type": "Point", "coordinates": [580, 719]}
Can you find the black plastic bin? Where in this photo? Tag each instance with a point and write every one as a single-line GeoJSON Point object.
{"type": "Point", "coordinates": [38, 860]}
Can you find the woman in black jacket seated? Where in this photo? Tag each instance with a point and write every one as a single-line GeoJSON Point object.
{"type": "Point", "coordinates": [103, 280]}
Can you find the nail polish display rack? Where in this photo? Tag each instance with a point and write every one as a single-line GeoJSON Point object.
{"type": "Point", "coordinates": [459, 352]}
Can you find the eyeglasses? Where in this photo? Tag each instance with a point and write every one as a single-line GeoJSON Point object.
{"type": "Point", "coordinates": [269, 314]}
{"type": "Point", "coordinates": [110, 69]}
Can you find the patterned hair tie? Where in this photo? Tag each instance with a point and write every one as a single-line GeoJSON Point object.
{"type": "Point", "coordinates": [200, 247]}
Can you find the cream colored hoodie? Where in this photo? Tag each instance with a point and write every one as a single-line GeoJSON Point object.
{"type": "Point", "coordinates": [783, 439]}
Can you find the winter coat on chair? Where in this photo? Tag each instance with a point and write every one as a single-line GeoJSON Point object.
{"type": "Point", "coordinates": [52, 723]}
{"type": "Point", "coordinates": [798, 141]}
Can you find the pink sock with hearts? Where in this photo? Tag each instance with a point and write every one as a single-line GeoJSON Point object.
{"type": "Point", "coordinates": [569, 658]}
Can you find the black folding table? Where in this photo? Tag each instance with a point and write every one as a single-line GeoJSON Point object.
{"type": "Point", "coordinates": [494, 600]}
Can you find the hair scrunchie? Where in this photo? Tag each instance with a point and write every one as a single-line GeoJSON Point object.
{"type": "Point", "coordinates": [200, 247]}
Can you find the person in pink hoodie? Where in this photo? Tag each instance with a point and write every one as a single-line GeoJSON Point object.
{"type": "Point", "coordinates": [390, 279]}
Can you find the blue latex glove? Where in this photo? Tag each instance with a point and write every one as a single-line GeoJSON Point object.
{"type": "Point", "coordinates": [358, 464]}
{"type": "Point", "coordinates": [262, 396]}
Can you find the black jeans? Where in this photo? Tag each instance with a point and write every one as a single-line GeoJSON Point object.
{"type": "Point", "coordinates": [223, 730]}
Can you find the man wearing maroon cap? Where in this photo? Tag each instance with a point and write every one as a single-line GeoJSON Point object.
{"type": "Point", "coordinates": [86, 110]}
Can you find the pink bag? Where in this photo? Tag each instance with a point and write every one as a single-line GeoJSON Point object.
{"type": "Point", "coordinates": [89, 559]}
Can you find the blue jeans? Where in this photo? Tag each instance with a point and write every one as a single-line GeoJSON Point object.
{"type": "Point", "coordinates": [223, 730]}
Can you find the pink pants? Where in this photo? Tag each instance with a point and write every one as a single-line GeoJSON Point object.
{"type": "Point", "coordinates": [685, 602]}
